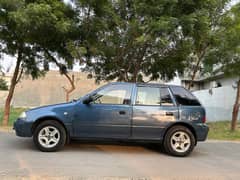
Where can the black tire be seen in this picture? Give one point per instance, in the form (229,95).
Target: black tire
(167,141)
(50,123)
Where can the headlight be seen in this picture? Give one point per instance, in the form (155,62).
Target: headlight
(23,115)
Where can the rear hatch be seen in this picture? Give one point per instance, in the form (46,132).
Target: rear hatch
(190,109)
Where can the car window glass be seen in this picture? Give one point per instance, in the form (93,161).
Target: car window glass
(148,96)
(113,94)
(184,97)
(166,99)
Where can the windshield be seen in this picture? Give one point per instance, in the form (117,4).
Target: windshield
(92,92)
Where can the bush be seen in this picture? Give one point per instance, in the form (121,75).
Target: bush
(3,84)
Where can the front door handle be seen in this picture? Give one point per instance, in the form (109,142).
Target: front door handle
(169,113)
(122,112)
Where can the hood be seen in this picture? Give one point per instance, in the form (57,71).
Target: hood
(53,106)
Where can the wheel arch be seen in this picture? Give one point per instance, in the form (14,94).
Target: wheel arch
(187,125)
(46,118)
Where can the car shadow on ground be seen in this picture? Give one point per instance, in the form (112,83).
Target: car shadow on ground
(125,148)
(23,144)
(90,146)
(113,146)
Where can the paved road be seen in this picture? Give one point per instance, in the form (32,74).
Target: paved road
(210,160)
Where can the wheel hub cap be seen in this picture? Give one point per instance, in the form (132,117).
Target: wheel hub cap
(180,141)
(49,136)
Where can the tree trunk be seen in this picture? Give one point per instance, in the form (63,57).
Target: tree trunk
(11,90)
(200,56)
(194,73)
(71,80)
(236,108)
(72,88)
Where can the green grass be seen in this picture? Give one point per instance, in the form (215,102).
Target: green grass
(15,112)
(221,131)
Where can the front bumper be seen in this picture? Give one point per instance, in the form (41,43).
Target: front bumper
(201,131)
(23,128)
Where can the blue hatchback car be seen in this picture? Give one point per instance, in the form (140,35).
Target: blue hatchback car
(168,115)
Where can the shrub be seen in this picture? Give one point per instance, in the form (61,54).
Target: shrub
(3,84)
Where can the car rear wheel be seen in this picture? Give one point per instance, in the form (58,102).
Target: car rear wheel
(49,136)
(179,141)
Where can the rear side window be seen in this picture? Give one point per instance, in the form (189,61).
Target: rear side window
(166,99)
(184,97)
(148,96)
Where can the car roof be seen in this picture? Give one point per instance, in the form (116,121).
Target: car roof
(147,84)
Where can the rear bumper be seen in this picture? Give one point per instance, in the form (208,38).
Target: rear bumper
(201,131)
(23,128)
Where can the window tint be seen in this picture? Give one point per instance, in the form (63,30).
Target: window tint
(148,96)
(166,99)
(184,97)
(113,94)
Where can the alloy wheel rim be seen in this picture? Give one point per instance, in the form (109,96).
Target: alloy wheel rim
(49,136)
(180,141)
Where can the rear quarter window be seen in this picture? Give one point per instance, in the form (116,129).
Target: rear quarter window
(184,97)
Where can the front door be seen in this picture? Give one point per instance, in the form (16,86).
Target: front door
(108,116)
(152,111)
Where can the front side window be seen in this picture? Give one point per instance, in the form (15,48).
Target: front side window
(148,96)
(184,97)
(113,94)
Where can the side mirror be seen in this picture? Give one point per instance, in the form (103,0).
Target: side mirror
(87,100)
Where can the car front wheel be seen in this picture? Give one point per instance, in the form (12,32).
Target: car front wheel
(179,141)
(49,136)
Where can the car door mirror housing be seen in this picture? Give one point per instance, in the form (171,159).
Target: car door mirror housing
(88,100)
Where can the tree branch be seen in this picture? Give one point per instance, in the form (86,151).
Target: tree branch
(19,76)
(70,79)
(200,56)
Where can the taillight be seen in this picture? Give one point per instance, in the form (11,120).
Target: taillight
(204,119)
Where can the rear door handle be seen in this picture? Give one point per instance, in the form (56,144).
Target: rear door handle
(122,112)
(169,113)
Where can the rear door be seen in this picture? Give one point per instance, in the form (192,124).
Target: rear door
(153,109)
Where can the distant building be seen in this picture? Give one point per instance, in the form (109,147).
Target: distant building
(210,82)
(216,93)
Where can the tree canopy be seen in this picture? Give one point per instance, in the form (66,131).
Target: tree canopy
(200,29)
(35,32)
(128,40)
(225,55)
(133,39)
(38,27)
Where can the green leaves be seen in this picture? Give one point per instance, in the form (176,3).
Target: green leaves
(141,40)
(225,55)
(121,40)
(34,27)
(3,84)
